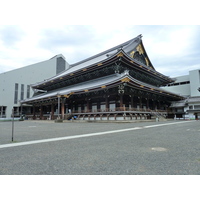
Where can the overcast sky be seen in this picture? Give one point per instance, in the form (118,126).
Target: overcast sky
(173,50)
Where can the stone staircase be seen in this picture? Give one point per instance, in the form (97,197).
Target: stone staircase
(158,116)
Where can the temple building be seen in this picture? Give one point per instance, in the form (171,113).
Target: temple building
(118,84)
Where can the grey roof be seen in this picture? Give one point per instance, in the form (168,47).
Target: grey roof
(126,46)
(177,104)
(92,84)
(193,100)
(103,56)
(78,87)
(186,101)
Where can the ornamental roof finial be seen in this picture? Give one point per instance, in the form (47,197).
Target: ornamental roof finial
(140,36)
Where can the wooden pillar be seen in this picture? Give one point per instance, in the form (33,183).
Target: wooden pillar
(154,104)
(147,103)
(88,105)
(158,104)
(41,112)
(52,111)
(98,106)
(33,111)
(62,109)
(66,108)
(58,107)
(132,105)
(140,102)
(107,104)
(121,102)
(134,102)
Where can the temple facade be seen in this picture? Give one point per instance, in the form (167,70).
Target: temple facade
(118,84)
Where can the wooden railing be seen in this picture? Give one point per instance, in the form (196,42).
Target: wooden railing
(97,111)
(118,109)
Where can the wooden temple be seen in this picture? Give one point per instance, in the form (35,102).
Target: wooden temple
(117,84)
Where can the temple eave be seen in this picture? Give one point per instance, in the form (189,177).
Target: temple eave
(120,57)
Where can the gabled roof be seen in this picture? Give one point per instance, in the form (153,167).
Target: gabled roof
(128,48)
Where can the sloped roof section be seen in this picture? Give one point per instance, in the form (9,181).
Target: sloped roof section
(105,54)
(75,88)
(127,47)
(135,49)
(99,84)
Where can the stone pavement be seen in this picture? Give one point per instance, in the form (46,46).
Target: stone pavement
(139,148)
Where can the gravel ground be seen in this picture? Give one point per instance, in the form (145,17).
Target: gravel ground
(159,150)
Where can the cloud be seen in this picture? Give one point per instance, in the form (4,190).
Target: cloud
(10,35)
(66,36)
(173,50)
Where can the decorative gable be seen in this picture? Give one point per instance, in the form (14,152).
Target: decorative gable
(140,55)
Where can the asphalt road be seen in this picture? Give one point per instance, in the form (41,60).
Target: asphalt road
(150,148)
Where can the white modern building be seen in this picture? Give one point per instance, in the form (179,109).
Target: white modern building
(15,84)
(187,86)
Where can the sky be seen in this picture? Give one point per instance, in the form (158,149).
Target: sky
(174,50)
(42,29)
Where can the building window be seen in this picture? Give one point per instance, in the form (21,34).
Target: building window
(179,83)
(28,91)
(103,107)
(2,111)
(197,107)
(180,110)
(22,91)
(112,106)
(190,107)
(94,107)
(16,94)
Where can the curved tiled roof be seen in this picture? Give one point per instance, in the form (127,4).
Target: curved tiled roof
(99,84)
(103,56)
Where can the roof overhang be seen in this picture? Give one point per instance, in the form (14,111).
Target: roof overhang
(100,84)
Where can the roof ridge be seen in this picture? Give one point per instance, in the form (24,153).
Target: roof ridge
(106,51)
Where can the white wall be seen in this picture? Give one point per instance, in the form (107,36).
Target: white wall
(183,90)
(187,89)
(25,75)
(194,82)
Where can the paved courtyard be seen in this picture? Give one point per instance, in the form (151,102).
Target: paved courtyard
(151,148)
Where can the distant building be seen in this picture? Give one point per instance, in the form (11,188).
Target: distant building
(187,86)
(15,84)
